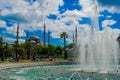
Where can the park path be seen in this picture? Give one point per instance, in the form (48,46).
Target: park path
(10,65)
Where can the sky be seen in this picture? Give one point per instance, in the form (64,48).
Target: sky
(58,15)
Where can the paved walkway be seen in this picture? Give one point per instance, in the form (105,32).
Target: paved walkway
(19,65)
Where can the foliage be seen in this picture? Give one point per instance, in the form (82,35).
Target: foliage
(1,49)
(16,48)
(1,42)
(51,50)
(71,45)
(44,51)
(58,50)
(64,35)
(27,50)
(38,49)
(28,47)
(65,55)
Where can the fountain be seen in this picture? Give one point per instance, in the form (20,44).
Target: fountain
(99,50)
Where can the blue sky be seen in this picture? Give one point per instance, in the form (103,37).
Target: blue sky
(58,15)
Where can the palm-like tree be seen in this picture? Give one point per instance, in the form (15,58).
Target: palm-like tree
(64,35)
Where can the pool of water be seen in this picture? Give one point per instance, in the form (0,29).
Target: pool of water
(60,72)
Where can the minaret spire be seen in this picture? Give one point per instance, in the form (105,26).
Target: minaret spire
(96,16)
(27,33)
(48,37)
(17,36)
(73,38)
(44,35)
(76,34)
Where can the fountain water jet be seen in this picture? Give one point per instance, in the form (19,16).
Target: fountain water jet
(99,51)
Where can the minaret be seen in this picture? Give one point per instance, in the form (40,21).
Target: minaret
(27,35)
(73,38)
(48,37)
(96,23)
(17,36)
(17,41)
(76,34)
(44,35)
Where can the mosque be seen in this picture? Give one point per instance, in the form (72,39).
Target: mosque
(35,40)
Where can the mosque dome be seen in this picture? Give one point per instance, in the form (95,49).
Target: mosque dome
(35,37)
(35,40)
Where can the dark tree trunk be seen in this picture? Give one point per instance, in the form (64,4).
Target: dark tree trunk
(28,54)
(2,55)
(16,55)
(64,42)
(6,54)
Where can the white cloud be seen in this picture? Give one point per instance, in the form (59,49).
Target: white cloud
(108,23)
(111,9)
(13,3)
(88,7)
(35,15)
(50,6)
(2,24)
(12,40)
(13,30)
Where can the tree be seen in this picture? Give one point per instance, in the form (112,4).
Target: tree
(1,49)
(16,48)
(22,51)
(28,48)
(64,35)
(51,50)
(6,50)
(10,52)
(65,55)
(71,45)
(44,51)
(38,49)
(58,50)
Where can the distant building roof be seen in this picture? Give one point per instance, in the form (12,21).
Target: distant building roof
(36,37)
(35,40)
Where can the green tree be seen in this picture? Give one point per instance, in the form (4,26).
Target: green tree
(65,55)
(28,48)
(16,49)
(1,49)
(64,35)
(6,50)
(71,45)
(10,52)
(44,51)
(38,49)
(22,51)
(51,50)
(58,50)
